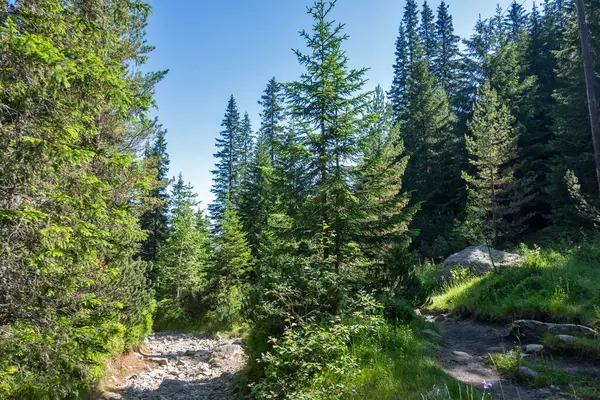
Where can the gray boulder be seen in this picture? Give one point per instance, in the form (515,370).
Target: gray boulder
(477,260)
(527,373)
(531,329)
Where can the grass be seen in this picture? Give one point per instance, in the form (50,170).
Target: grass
(549,372)
(588,349)
(550,286)
(403,366)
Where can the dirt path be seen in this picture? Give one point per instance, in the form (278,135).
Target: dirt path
(467,343)
(175,366)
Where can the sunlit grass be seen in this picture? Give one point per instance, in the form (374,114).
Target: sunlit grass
(550,286)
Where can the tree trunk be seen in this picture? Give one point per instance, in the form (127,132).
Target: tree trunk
(590,80)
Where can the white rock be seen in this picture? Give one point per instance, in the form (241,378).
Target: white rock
(477,260)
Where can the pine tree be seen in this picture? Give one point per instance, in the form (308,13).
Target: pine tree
(493,198)
(328,99)
(184,258)
(226,176)
(154,220)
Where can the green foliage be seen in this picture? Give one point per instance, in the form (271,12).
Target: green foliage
(185,256)
(493,195)
(229,275)
(550,286)
(74,116)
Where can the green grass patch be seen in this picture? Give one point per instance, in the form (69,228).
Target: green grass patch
(580,347)
(401,365)
(550,373)
(550,286)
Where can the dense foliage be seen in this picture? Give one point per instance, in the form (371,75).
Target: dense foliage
(73,124)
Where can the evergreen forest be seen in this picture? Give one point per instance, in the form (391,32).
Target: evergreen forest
(331,220)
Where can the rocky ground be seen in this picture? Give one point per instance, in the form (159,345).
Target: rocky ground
(467,343)
(176,366)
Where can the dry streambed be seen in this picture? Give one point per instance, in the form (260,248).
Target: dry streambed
(177,366)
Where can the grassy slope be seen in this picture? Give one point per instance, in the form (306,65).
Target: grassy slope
(549,287)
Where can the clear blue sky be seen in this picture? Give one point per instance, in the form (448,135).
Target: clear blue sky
(215,48)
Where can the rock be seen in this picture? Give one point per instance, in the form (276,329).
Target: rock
(477,260)
(531,329)
(461,355)
(160,361)
(527,373)
(534,348)
(431,334)
(565,338)
(237,341)
(229,350)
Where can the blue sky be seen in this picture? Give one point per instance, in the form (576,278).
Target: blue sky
(215,48)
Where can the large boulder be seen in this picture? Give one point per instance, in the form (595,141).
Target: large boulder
(477,260)
(528,329)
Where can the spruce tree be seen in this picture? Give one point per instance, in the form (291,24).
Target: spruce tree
(328,99)
(571,142)
(382,223)
(433,170)
(447,53)
(398,89)
(493,198)
(226,176)
(427,33)
(516,20)
(410,21)
(184,258)
(272,117)
(154,220)
(229,277)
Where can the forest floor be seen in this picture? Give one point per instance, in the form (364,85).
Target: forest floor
(176,366)
(469,343)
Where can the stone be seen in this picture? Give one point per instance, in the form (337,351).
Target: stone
(477,260)
(565,338)
(237,341)
(531,329)
(461,355)
(527,373)
(431,333)
(160,360)
(534,348)
(229,350)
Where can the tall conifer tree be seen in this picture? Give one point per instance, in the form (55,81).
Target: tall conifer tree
(226,176)
(328,98)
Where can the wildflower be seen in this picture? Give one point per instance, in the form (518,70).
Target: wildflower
(487,385)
